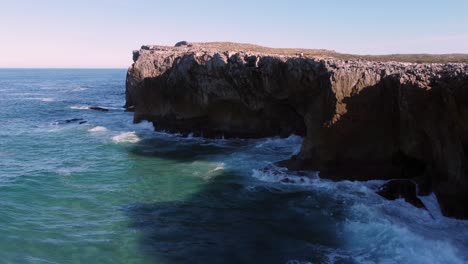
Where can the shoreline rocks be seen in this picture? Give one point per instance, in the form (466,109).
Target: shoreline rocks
(360,119)
(405,189)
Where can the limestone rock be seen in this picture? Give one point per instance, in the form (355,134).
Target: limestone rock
(360,119)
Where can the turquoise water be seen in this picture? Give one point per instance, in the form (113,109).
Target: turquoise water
(109,191)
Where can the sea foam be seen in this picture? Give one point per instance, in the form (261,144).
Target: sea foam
(88,107)
(42,99)
(79,107)
(377,230)
(79,88)
(368,235)
(97,129)
(274,174)
(126,137)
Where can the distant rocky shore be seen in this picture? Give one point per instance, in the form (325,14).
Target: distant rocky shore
(361,119)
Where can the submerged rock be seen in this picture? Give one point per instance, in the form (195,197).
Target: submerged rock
(72,120)
(360,119)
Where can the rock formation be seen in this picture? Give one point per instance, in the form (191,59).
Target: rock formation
(405,189)
(360,119)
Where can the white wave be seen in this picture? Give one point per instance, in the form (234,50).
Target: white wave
(67,171)
(97,129)
(64,172)
(219,167)
(369,235)
(79,88)
(88,107)
(126,137)
(376,230)
(206,170)
(42,99)
(79,107)
(275,174)
(23,94)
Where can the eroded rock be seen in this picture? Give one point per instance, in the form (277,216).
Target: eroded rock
(401,189)
(360,119)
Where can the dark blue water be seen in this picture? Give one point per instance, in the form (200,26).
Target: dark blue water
(109,191)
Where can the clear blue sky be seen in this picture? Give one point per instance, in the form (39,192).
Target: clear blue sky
(103,33)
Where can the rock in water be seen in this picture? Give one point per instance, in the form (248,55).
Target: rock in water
(406,189)
(98,108)
(69,121)
(360,119)
(73,120)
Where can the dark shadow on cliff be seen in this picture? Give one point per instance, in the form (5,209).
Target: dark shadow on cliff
(227,222)
(369,140)
(406,131)
(398,131)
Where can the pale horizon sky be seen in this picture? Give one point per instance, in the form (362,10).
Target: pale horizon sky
(103,33)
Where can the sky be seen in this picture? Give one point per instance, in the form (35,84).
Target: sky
(103,33)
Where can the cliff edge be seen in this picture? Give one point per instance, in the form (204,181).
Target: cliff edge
(361,119)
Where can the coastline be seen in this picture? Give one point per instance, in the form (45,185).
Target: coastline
(361,119)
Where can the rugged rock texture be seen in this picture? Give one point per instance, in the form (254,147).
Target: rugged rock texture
(360,119)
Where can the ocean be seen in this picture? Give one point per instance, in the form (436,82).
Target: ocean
(85,186)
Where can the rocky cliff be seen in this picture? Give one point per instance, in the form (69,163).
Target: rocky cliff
(360,119)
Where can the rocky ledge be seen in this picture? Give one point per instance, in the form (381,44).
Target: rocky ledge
(360,119)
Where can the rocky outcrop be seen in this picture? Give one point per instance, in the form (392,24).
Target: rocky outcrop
(401,189)
(98,108)
(360,119)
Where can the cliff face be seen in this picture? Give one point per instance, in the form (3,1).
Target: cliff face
(360,119)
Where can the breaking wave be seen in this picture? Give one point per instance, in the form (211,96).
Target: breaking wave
(373,229)
(126,137)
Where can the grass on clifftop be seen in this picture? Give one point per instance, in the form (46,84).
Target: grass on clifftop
(323,53)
